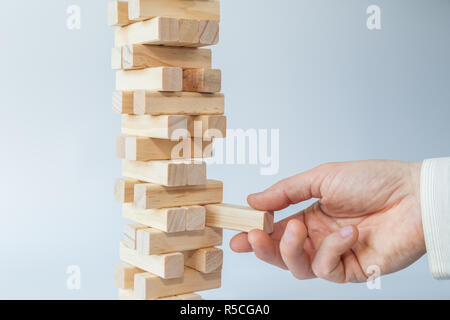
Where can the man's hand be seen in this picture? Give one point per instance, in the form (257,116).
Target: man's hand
(368,214)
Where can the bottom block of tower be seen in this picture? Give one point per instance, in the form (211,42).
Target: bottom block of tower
(129,295)
(167,266)
(148,286)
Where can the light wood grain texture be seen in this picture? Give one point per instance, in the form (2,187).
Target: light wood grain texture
(129,295)
(123,102)
(152,196)
(152,241)
(208,127)
(124,276)
(166,266)
(195,218)
(209,32)
(162,127)
(157,31)
(124,190)
(188,103)
(158,79)
(190,9)
(118,13)
(130,234)
(170,32)
(171,173)
(167,220)
(147,149)
(148,286)
(137,56)
(238,218)
(205,260)
(202,80)
(116,59)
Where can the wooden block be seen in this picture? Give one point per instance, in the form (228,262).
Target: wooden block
(169,32)
(129,295)
(118,13)
(130,234)
(238,218)
(157,31)
(138,56)
(124,276)
(168,219)
(148,149)
(159,79)
(202,80)
(123,102)
(124,190)
(189,103)
(195,172)
(148,286)
(209,32)
(152,196)
(190,9)
(189,31)
(167,266)
(116,59)
(171,173)
(205,260)
(208,127)
(195,218)
(152,241)
(162,127)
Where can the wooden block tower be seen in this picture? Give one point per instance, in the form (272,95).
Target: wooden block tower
(167,94)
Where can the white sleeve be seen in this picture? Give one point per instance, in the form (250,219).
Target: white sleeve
(435,203)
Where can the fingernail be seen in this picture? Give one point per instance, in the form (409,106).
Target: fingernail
(346,232)
(288,235)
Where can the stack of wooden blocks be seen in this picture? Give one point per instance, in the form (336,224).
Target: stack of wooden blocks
(168,96)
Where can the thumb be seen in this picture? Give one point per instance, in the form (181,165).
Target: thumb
(301,187)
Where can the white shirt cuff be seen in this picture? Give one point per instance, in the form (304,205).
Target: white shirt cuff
(435,203)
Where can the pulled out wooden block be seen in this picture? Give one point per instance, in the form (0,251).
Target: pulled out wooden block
(163,127)
(129,295)
(167,220)
(152,241)
(182,103)
(190,9)
(202,80)
(116,59)
(158,79)
(148,149)
(124,276)
(166,266)
(169,32)
(138,56)
(208,127)
(148,286)
(124,190)
(123,102)
(152,196)
(171,173)
(118,13)
(157,31)
(195,218)
(238,218)
(205,260)
(130,234)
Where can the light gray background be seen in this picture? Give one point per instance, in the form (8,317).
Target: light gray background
(335,89)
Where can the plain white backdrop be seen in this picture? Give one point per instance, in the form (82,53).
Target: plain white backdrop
(312,69)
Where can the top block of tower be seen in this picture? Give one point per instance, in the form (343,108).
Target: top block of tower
(184,9)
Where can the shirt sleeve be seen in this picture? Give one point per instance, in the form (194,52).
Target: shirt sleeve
(435,204)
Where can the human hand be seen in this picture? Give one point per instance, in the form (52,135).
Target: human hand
(368,215)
